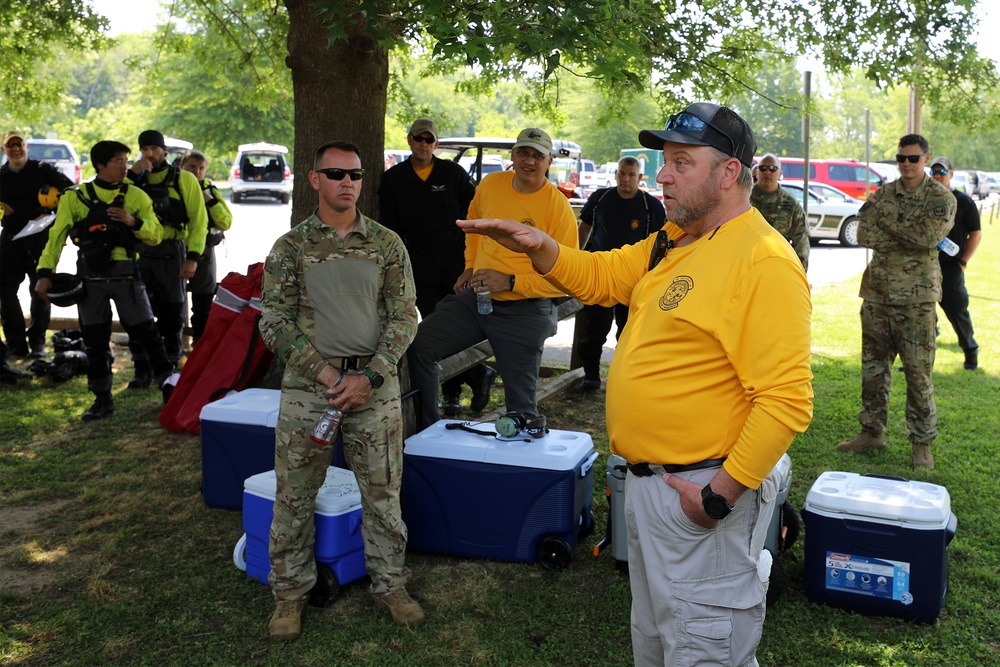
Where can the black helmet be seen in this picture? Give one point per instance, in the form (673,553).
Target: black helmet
(66,290)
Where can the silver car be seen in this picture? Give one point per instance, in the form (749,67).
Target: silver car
(261,170)
(829,217)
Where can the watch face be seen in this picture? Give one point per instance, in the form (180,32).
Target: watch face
(374,377)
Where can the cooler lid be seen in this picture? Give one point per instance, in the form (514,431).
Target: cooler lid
(254,407)
(880,498)
(338,494)
(558,450)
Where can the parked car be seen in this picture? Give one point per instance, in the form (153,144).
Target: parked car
(474,151)
(490,164)
(960,182)
(828,218)
(888,171)
(261,170)
(827,192)
(849,176)
(177,149)
(56,152)
(606,175)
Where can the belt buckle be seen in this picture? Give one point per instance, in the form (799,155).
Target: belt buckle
(349,364)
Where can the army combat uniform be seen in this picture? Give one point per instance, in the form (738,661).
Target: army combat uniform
(900,288)
(786,216)
(347,303)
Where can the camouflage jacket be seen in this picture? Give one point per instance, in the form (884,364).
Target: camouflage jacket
(786,216)
(324,297)
(903,229)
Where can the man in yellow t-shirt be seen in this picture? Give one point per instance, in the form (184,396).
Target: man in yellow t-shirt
(523,313)
(709,384)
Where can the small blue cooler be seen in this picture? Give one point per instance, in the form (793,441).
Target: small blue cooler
(878,545)
(237,441)
(338,525)
(512,499)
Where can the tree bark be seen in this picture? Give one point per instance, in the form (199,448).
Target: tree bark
(340,95)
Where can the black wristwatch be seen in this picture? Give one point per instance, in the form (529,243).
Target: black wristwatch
(716,506)
(373,376)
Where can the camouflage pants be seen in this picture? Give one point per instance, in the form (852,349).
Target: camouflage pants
(373,447)
(907,331)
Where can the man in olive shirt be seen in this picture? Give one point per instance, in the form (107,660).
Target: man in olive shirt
(902,222)
(779,208)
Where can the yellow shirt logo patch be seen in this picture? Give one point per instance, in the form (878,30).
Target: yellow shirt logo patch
(676,292)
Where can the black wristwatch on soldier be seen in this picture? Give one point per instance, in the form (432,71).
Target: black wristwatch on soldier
(716,506)
(373,376)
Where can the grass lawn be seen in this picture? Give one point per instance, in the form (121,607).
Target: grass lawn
(108,555)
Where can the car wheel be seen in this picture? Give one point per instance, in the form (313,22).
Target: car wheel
(285,198)
(235,197)
(849,232)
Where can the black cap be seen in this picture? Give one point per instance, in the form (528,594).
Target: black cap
(705,124)
(152,138)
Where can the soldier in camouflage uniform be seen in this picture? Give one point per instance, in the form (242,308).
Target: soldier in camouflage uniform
(780,208)
(902,223)
(339,308)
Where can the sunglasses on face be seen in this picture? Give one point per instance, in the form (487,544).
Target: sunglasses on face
(426,140)
(939,172)
(768,167)
(912,159)
(13,144)
(335,174)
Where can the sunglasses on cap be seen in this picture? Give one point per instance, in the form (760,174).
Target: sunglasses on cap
(768,167)
(335,174)
(940,171)
(426,140)
(912,159)
(695,127)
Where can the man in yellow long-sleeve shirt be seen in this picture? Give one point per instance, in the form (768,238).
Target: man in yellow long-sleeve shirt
(524,314)
(708,387)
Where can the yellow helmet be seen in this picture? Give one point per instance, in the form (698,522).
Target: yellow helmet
(48,196)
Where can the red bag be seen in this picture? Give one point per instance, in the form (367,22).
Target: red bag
(229,356)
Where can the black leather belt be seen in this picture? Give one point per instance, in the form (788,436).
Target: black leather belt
(514,302)
(650,469)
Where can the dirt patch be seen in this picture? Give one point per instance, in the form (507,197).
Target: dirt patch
(26,565)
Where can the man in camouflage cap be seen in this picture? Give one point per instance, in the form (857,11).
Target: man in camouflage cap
(779,208)
(338,306)
(902,223)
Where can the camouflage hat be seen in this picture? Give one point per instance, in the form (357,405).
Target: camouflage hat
(422,125)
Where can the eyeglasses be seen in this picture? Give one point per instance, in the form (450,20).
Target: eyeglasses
(939,172)
(12,144)
(335,174)
(693,126)
(426,140)
(523,154)
(769,167)
(912,159)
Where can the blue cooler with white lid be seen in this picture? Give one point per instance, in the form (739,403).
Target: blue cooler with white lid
(517,499)
(878,545)
(237,441)
(339,544)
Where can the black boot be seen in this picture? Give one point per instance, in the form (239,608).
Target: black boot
(481,389)
(971,360)
(451,406)
(104,406)
(143,375)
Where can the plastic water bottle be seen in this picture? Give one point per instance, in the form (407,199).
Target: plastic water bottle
(484,303)
(948,247)
(326,427)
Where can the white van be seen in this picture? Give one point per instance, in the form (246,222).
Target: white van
(261,170)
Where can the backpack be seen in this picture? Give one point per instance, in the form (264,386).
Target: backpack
(169,211)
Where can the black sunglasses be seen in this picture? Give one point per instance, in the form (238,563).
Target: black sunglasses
(768,167)
(426,140)
(335,174)
(913,159)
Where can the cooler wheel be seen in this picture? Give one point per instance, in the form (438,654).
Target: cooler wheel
(777,582)
(553,553)
(791,526)
(240,553)
(327,587)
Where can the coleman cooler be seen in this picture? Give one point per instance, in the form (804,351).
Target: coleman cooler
(237,441)
(339,548)
(878,545)
(518,499)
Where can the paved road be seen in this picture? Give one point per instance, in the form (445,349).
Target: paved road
(257,224)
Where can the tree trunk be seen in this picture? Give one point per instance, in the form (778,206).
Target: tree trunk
(340,95)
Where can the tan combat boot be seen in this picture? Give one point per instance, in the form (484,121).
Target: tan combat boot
(862,443)
(403,608)
(922,457)
(286,623)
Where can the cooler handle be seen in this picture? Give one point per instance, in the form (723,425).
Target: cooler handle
(949,532)
(354,523)
(588,465)
(890,477)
